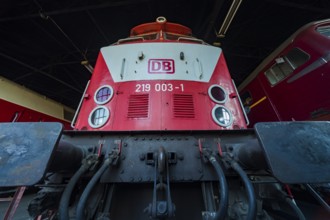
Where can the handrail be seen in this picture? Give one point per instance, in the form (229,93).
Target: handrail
(240,102)
(16,116)
(79,106)
(191,39)
(129,39)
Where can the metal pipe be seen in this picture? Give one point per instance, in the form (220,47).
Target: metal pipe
(73,122)
(252,212)
(296,209)
(83,199)
(318,197)
(222,211)
(229,18)
(65,198)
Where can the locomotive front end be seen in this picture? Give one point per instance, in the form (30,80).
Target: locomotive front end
(160,78)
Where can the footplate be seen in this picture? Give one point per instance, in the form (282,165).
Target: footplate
(297,152)
(25,151)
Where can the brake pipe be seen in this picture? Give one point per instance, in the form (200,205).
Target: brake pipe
(66,195)
(83,199)
(252,212)
(223,191)
(63,209)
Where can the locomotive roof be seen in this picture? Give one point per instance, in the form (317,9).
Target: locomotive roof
(160,25)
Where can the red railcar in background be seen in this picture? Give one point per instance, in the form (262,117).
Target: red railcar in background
(19,104)
(292,83)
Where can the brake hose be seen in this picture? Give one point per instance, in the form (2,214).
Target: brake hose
(252,212)
(222,211)
(88,189)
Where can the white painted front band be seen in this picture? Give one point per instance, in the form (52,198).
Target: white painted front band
(129,62)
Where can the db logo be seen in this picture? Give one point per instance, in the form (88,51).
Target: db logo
(161,66)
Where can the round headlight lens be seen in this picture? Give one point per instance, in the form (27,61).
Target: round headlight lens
(217,94)
(103,95)
(222,116)
(98,117)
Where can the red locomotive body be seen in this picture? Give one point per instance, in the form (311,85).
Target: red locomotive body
(293,82)
(160,78)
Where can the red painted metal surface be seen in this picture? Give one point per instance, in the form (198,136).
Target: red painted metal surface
(294,98)
(160,104)
(156,27)
(12,112)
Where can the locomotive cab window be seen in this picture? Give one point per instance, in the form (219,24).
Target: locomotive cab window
(325,31)
(285,65)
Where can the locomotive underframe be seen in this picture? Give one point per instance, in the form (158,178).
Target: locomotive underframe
(168,174)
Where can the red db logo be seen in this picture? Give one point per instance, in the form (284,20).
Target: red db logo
(161,66)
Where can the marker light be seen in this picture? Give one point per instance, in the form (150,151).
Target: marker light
(217,94)
(98,117)
(222,116)
(103,94)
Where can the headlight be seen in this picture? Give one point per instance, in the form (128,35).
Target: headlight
(103,95)
(98,117)
(222,116)
(217,94)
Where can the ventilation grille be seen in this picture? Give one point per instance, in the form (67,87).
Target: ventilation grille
(183,106)
(138,106)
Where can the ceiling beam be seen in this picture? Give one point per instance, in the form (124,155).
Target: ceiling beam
(40,71)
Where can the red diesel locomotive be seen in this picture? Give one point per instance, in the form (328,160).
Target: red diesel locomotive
(160,78)
(160,134)
(292,83)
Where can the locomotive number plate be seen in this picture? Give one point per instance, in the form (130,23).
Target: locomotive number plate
(159,87)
